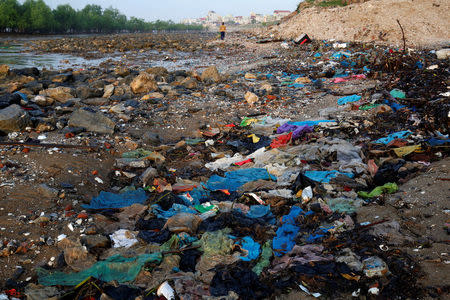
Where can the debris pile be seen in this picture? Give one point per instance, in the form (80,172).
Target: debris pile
(210,186)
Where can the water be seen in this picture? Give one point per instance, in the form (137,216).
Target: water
(15,56)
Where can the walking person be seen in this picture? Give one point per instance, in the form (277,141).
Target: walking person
(222,30)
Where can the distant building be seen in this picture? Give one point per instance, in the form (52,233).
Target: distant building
(213,19)
(280,14)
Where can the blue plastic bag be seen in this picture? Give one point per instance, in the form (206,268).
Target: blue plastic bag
(393,136)
(325,176)
(111,200)
(348,99)
(235,179)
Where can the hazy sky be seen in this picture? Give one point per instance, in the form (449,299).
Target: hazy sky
(176,10)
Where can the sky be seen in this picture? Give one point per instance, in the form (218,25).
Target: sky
(176,10)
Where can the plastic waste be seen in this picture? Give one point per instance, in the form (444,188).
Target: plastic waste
(374,267)
(398,94)
(388,188)
(166,291)
(123,238)
(235,179)
(307,194)
(115,267)
(183,222)
(250,247)
(297,131)
(325,176)
(111,200)
(264,260)
(281,141)
(393,136)
(283,242)
(348,99)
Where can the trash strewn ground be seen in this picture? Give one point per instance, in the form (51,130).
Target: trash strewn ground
(313,170)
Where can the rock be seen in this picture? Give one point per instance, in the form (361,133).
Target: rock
(148,175)
(267,87)
(190,83)
(47,192)
(143,83)
(151,138)
(60,94)
(122,71)
(303,80)
(211,74)
(14,118)
(96,122)
(85,92)
(441,54)
(9,99)
(250,76)
(96,101)
(251,98)
(154,95)
(43,101)
(132,163)
(157,71)
(26,71)
(95,241)
(4,71)
(64,77)
(118,108)
(108,91)
(382,109)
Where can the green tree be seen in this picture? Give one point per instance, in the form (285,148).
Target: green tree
(9,14)
(66,18)
(91,18)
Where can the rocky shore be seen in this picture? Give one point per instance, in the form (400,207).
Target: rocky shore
(259,171)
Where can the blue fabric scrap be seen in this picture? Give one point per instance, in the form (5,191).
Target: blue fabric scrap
(310,123)
(348,99)
(261,212)
(437,142)
(252,248)
(325,176)
(111,200)
(235,179)
(284,240)
(174,210)
(393,136)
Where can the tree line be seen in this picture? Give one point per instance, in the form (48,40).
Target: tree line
(34,16)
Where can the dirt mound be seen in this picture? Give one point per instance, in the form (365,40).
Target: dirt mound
(425,22)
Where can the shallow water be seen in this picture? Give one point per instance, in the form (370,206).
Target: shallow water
(15,56)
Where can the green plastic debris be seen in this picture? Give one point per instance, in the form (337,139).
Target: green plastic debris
(368,106)
(193,141)
(343,205)
(264,260)
(388,188)
(248,121)
(116,267)
(216,243)
(138,153)
(171,244)
(202,208)
(398,94)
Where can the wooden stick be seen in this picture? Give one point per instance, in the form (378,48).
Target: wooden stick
(403,36)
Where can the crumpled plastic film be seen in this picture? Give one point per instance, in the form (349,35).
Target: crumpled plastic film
(115,267)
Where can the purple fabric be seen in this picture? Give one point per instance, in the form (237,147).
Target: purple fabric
(297,131)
